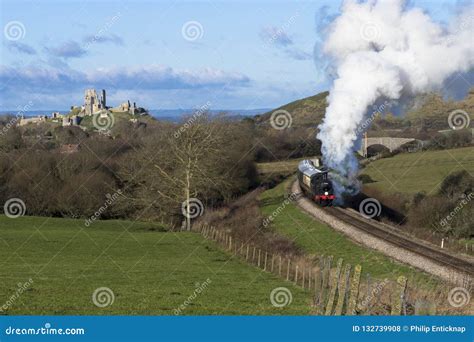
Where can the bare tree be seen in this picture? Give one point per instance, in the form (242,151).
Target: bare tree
(184,166)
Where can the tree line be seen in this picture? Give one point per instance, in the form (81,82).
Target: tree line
(70,172)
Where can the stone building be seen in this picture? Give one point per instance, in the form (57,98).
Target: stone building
(37,120)
(92,102)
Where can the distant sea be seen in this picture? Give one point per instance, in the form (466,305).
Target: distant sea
(173,115)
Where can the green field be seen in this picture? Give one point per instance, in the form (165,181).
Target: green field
(150,271)
(421,171)
(284,167)
(318,239)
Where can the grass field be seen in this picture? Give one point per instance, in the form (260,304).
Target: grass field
(318,239)
(284,167)
(421,171)
(150,271)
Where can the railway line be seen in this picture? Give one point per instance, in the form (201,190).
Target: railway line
(391,241)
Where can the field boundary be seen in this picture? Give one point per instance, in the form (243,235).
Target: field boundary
(336,288)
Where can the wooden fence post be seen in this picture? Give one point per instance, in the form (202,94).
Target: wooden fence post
(273,255)
(399,298)
(333,287)
(342,287)
(279,268)
(230,244)
(259,252)
(326,273)
(368,295)
(304,271)
(317,282)
(425,308)
(309,278)
(253,255)
(247,254)
(288,270)
(296,274)
(354,294)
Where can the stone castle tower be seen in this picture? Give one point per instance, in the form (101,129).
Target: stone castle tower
(92,103)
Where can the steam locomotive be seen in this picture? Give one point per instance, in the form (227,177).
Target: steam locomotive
(315,183)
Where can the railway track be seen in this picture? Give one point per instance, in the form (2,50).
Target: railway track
(463,266)
(394,237)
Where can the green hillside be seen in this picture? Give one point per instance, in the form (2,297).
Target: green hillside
(305,112)
(434,111)
(430,111)
(421,171)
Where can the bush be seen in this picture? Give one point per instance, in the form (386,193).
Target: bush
(450,211)
(365,179)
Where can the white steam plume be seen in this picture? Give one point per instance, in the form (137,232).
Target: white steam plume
(383,51)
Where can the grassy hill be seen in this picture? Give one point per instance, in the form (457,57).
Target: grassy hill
(151,271)
(421,171)
(434,111)
(305,112)
(430,112)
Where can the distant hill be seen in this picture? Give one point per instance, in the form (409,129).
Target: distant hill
(430,112)
(305,112)
(433,111)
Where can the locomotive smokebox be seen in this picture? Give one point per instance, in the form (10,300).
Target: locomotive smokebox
(314,182)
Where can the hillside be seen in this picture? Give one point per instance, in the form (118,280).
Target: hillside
(434,111)
(305,112)
(429,112)
(415,172)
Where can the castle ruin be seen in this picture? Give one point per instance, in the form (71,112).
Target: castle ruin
(92,102)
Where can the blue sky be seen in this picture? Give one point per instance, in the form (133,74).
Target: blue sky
(166,54)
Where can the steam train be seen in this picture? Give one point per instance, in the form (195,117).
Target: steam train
(315,183)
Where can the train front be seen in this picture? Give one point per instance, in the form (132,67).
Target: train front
(315,183)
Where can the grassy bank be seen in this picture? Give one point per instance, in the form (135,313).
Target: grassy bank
(318,239)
